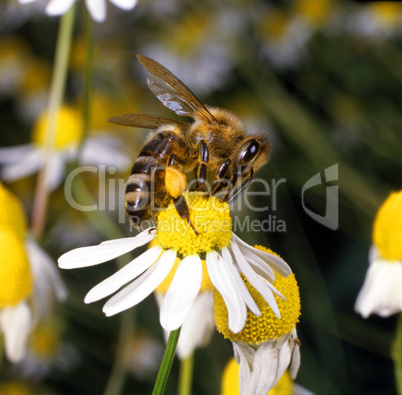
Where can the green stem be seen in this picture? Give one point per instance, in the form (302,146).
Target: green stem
(88,80)
(55,99)
(109,229)
(398,355)
(186,375)
(117,377)
(166,363)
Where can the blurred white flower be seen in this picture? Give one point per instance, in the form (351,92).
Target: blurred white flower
(97,8)
(29,282)
(376,20)
(382,289)
(21,161)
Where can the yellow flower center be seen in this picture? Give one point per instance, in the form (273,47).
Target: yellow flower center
(187,34)
(206,284)
(45,340)
(387,228)
(12,214)
(15,272)
(260,329)
(14,388)
(68,128)
(388,13)
(209,216)
(273,25)
(36,76)
(315,11)
(230,381)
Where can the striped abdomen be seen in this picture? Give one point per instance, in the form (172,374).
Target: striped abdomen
(145,187)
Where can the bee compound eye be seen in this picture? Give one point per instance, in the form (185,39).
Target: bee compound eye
(250,152)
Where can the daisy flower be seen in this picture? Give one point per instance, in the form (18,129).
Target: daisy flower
(16,284)
(284,386)
(382,288)
(97,8)
(29,282)
(225,254)
(189,44)
(45,350)
(378,20)
(283,37)
(24,160)
(195,333)
(267,345)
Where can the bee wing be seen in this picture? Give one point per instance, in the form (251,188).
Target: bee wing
(145,121)
(173,93)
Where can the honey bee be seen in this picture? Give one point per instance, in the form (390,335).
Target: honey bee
(215,140)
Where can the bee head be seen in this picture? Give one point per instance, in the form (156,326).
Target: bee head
(253,153)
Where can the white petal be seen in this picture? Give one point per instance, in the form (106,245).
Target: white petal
(256,281)
(382,289)
(58,7)
(220,277)
(140,288)
(15,154)
(264,372)
(47,277)
(374,255)
(26,1)
(196,332)
(245,294)
(295,364)
(182,291)
(258,265)
(124,275)
(125,4)
(276,263)
(16,325)
(28,164)
(286,346)
(97,9)
(106,151)
(105,251)
(244,356)
(54,171)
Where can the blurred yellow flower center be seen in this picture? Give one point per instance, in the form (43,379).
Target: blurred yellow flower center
(206,284)
(387,12)
(68,128)
(12,214)
(187,34)
(209,216)
(15,272)
(230,381)
(14,388)
(45,340)
(387,228)
(36,76)
(260,329)
(273,25)
(315,11)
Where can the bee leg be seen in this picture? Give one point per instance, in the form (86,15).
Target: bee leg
(220,181)
(240,189)
(202,168)
(182,209)
(175,179)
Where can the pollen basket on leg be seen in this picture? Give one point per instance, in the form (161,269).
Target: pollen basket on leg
(209,216)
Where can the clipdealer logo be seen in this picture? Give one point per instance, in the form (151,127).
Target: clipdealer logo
(111,197)
(331,217)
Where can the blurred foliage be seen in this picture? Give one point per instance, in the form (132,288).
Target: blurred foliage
(324,77)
